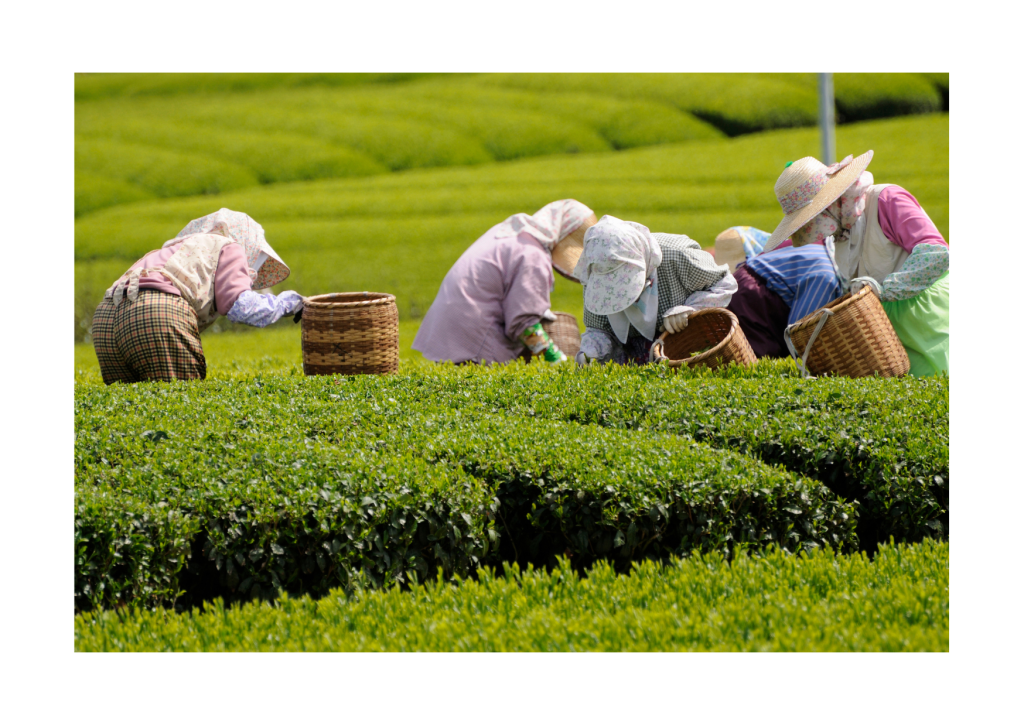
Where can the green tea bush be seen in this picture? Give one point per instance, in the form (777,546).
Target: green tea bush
(504,132)
(305,484)
(397,141)
(817,601)
(882,442)
(91,86)
(624,123)
(276,157)
(160,172)
(941,83)
(509,133)
(94,192)
(734,103)
(861,96)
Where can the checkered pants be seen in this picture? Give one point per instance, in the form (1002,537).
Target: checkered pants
(155,338)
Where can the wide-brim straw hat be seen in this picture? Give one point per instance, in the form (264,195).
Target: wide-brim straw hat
(729,249)
(807,187)
(569,249)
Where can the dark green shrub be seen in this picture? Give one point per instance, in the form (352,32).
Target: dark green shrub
(861,96)
(882,442)
(302,485)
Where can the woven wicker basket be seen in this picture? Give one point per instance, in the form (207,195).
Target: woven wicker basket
(714,327)
(564,332)
(350,332)
(855,339)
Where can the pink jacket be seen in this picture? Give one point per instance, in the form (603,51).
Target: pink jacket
(232,277)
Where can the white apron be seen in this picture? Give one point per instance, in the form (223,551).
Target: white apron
(191,269)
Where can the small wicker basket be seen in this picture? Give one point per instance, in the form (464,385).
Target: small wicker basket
(350,333)
(564,332)
(714,328)
(854,338)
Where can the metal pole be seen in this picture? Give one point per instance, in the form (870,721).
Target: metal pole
(827,118)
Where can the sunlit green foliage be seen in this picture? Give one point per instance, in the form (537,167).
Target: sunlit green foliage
(220,486)
(89,86)
(94,192)
(897,601)
(271,158)
(160,172)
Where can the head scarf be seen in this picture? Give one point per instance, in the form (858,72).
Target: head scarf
(266,268)
(618,260)
(838,218)
(549,225)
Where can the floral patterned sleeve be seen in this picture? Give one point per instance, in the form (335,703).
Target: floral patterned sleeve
(262,310)
(926,264)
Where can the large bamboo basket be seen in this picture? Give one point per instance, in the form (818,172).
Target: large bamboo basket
(855,339)
(564,332)
(350,333)
(716,328)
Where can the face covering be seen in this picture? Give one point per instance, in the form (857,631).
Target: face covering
(818,229)
(643,314)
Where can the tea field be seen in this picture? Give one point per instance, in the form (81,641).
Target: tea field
(261,482)
(897,601)
(401,232)
(514,508)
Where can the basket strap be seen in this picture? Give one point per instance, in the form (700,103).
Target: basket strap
(657,354)
(801,363)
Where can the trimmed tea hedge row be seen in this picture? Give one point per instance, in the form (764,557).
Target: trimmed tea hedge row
(304,126)
(303,484)
(883,442)
(862,96)
(897,601)
(735,103)
(158,171)
(92,86)
(278,157)
(623,123)
(94,192)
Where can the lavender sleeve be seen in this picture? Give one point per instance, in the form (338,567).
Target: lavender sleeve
(528,284)
(904,222)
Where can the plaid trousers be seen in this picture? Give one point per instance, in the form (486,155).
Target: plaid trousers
(154,338)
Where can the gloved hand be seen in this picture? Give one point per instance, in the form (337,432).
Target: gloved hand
(859,283)
(675,323)
(581,359)
(549,316)
(297,309)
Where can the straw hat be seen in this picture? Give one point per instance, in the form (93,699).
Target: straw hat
(729,249)
(567,252)
(807,186)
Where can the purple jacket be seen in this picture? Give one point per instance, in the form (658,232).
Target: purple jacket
(491,294)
